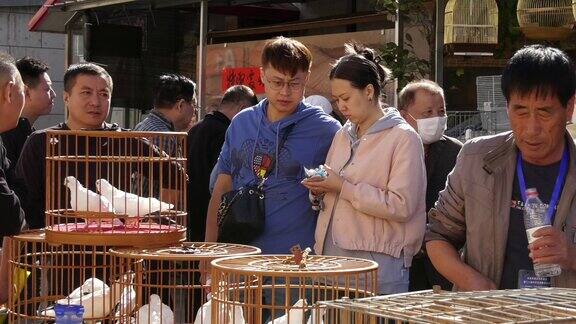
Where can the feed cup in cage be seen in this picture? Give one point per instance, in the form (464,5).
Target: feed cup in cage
(42,275)
(169,281)
(499,306)
(280,289)
(119,187)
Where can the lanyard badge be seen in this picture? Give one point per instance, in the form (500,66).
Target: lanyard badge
(558,186)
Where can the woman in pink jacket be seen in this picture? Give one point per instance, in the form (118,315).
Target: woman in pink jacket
(374,194)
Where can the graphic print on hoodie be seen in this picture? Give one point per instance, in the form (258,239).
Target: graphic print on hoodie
(290,219)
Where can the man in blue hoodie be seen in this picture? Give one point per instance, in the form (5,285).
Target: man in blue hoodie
(254,140)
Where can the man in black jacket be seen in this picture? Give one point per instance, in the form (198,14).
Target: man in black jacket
(11,104)
(87,96)
(205,141)
(421,103)
(39,101)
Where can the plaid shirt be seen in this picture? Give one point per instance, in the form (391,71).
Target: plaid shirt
(156,122)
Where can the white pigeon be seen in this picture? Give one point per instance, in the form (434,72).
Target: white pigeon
(94,295)
(155,312)
(127,302)
(82,199)
(204,314)
(295,314)
(314,314)
(89,286)
(129,204)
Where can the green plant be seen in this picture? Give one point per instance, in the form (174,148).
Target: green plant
(403,63)
(400,58)
(407,8)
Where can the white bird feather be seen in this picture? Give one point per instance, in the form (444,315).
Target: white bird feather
(155,312)
(317,317)
(294,316)
(85,200)
(204,314)
(128,203)
(94,295)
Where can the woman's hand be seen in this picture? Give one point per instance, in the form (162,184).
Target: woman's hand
(332,183)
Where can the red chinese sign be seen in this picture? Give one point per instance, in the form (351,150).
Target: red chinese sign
(248,76)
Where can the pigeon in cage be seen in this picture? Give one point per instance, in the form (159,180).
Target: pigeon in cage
(127,302)
(204,315)
(155,312)
(316,316)
(295,314)
(85,200)
(129,204)
(94,295)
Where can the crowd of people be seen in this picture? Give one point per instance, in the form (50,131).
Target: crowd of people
(428,209)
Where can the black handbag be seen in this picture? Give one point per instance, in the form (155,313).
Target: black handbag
(241,215)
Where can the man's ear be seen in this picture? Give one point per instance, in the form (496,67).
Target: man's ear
(65,97)
(27,92)
(262,75)
(570,109)
(9,91)
(180,105)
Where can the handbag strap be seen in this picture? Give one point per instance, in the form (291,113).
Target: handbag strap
(287,130)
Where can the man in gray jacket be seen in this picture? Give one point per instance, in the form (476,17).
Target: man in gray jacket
(482,203)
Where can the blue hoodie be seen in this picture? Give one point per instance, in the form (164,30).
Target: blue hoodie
(290,219)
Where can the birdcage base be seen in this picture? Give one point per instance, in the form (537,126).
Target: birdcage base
(546,33)
(139,235)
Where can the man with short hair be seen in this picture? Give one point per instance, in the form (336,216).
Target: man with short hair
(422,105)
(481,208)
(205,141)
(11,104)
(174,105)
(39,101)
(87,95)
(254,149)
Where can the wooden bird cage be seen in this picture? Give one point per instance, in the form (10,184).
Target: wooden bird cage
(545,19)
(173,274)
(499,306)
(42,275)
(471,24)
(277,289)
(115,188)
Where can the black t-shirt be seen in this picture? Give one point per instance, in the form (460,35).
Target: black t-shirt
(543,178)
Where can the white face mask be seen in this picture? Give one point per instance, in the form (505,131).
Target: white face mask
(431,129)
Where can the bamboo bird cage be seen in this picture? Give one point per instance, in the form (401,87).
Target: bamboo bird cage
(545,19)
(499,306)
(174,274)
(42,275)
(115,188)
(281,289)
(471,23)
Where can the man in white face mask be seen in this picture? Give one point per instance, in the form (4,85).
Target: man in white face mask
(421,103)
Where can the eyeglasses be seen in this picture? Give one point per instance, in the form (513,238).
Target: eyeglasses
(278,85)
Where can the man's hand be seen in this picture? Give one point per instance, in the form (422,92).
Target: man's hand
(475,281)
(552,247)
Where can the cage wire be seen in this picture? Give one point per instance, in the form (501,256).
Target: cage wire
(169,280)
(280,289)
(545,19)
(118,187)
(42,275)
(499,306)
(471,22)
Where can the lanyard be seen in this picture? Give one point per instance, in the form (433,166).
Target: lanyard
(551,212)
